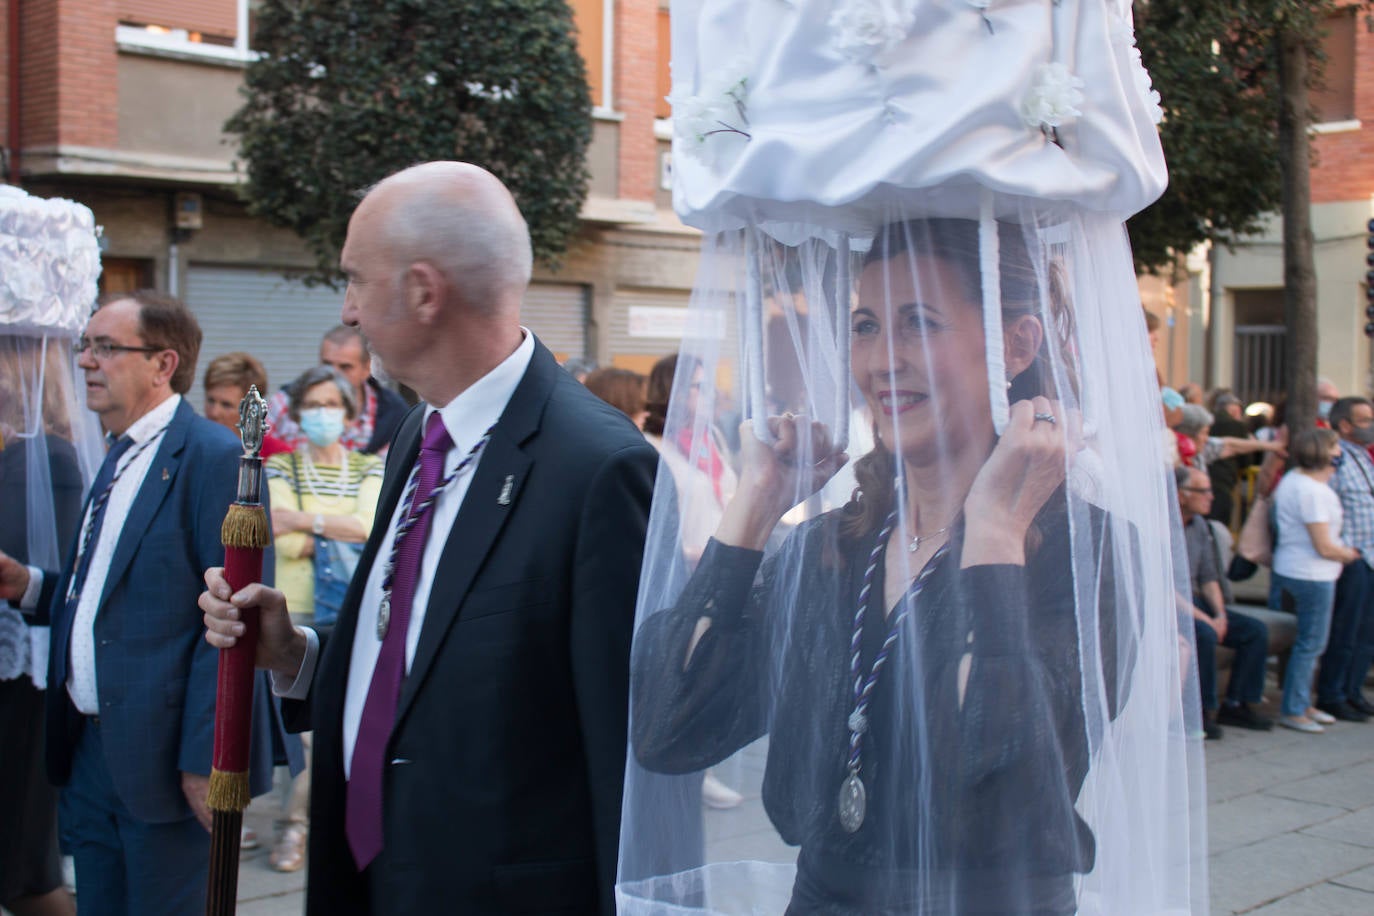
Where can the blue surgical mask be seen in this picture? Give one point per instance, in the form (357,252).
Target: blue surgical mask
(322,425)
(1336,459)
(1324,408)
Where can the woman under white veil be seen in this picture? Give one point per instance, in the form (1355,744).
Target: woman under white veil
(50,446)
(959,690)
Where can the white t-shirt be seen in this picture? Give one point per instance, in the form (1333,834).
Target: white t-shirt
(1299,501)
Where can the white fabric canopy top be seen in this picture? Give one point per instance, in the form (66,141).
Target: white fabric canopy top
(929,633)
(779,106)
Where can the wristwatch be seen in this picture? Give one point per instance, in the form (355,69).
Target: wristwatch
(318,526)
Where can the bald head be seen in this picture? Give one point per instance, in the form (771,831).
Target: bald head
(438,260)
(461,219)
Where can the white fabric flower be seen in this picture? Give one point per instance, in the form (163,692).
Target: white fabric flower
(711,125)
(1145,86)
(1123,37)
(865,30)
(1054,97)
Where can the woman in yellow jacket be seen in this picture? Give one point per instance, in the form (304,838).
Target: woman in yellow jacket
(324,497)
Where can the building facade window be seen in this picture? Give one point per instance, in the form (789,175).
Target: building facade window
(665,75)
(216,30)
(213,21)
(1334,100)
(595,21)
(1260,344)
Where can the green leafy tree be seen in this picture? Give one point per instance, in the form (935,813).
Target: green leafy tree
(1214,64)
(1235,76)
(349,91)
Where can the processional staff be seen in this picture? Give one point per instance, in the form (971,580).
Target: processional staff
(245,534)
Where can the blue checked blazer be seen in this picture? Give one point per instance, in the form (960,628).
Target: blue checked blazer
(155,673)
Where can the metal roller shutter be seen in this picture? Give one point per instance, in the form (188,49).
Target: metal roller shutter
(259,311)
(557,314)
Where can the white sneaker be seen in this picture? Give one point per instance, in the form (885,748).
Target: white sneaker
(716,794)
(1321,718)
(1301,724)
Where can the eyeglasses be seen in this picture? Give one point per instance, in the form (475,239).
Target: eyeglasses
(1196,489)
(102,349)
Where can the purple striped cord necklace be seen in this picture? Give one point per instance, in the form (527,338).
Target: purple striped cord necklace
(853,794)
(410,516)
(88,529)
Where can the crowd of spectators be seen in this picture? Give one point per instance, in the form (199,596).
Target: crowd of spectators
(1316,490)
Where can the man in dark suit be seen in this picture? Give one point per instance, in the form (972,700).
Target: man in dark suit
(470,705)
(131,698)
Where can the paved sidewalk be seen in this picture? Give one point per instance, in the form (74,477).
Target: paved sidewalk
(1290,823)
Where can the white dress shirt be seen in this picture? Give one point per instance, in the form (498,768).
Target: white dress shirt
(81,682)
(466,418)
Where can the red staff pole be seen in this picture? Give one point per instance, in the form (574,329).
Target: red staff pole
(246,533)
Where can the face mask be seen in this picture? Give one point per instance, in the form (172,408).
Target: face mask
(322,425)
(1324,408)
(1336,460)
(1363,434)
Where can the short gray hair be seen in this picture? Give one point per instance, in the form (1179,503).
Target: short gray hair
(317,376)
(342,334)
(1196,418)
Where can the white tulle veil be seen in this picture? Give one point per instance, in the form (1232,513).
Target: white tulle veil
(49,443)
(947,676)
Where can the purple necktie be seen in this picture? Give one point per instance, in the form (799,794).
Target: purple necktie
(363,808)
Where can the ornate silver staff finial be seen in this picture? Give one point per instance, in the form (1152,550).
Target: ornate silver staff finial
(252,425)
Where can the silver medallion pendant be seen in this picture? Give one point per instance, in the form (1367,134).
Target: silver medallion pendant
(853,802)
(384,615)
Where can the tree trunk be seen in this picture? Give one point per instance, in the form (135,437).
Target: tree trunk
(1299,272)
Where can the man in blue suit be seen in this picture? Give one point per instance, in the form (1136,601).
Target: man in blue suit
(130,718)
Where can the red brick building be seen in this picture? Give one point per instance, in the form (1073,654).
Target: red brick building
(120,104)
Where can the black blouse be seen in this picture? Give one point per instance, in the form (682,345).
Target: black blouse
(957,790)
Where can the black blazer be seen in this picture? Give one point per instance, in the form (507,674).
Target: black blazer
(391,410)
(506,763)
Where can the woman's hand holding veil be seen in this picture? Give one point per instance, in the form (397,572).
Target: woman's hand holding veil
(1029,463)
(777,475)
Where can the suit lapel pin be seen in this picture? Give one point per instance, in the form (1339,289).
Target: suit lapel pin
(506,488)
(165,475)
